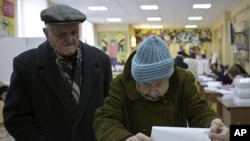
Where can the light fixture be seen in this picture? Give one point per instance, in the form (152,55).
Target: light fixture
(157,26)
(194,18)
(154,19)
(97,8)
(149,7)
(202,6)
(114,20)
(190,26)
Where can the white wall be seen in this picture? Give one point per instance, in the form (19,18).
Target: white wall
(29,22)
(11,47)
(88,33)
(30,34)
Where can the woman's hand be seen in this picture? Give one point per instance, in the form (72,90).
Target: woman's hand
(218,131)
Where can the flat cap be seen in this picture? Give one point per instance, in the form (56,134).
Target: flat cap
(62,14)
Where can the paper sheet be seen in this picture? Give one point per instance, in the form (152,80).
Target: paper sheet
(218,90)
(214,84)
(160,133)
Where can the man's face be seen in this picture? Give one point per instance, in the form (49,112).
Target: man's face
(64,38)
(153,91)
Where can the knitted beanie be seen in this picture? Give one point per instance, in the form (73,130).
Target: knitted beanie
(152,61)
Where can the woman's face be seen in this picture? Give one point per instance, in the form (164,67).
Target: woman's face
(154,90)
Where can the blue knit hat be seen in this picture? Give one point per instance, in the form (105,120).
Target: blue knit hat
(152,61)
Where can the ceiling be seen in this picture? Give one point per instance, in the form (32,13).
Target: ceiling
(174,13)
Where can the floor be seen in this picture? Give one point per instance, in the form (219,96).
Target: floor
(4,136)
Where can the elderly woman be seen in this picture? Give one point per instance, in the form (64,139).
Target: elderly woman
(153,91)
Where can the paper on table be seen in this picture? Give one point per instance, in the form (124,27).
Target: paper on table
(160,133)
(214,83)
(225,92)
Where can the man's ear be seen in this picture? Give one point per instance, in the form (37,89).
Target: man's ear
(46,33)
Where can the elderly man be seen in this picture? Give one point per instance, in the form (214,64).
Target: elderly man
(153,91)
(56,88)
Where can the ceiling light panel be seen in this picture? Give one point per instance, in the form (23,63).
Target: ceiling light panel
(153,19)
(202,6)
(97,8)
(114,20)
(190,26)
(195,18)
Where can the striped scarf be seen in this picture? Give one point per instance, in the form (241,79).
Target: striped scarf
(71,70)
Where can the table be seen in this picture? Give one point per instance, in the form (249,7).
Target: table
(211,97)
(232,114)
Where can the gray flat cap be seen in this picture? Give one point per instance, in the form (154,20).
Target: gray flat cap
(62,14)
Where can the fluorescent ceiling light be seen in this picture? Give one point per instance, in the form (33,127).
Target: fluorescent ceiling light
(98,8)
(202,6)
(149,7)
(194,18)
(190,26)
(157,26)
(114,20)
(154,19)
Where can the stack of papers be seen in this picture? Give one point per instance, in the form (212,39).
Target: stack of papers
(218,90)
(204,78)
(160,133)
(214,84)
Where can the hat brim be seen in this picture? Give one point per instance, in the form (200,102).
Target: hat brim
(64,22)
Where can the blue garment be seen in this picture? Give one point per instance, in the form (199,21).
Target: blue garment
(179,61)
(224,78)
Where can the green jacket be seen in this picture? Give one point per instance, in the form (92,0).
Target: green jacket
(126,112)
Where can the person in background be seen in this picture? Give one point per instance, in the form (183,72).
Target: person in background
(235,72)
(179,59)
(3,90)
(192,64)
(197,51)
(242,70)
(227,79)
(222,74)
(153,91)
(169,40)
(4,28)
(56,87)
(213,68)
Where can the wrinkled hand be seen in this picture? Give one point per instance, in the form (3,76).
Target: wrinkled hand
(139,137)
(218,131)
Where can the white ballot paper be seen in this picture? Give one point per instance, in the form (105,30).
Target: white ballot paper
(160,133)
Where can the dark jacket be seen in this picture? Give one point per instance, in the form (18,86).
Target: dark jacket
(38,105)
(224,78)
(179,61)
(126,112)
